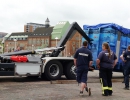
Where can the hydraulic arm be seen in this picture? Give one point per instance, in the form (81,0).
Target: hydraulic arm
(70,32)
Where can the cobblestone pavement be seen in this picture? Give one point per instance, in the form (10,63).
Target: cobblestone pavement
(43,90)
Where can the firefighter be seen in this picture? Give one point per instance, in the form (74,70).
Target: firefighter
(82,61)
(122,65)
(105,62)
(126,60)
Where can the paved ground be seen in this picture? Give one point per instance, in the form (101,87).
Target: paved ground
(24,89)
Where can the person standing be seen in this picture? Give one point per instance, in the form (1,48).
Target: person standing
(105,62)
(82,61)
(17,49)
(126,60)
(122,65)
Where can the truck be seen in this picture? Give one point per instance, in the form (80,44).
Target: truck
(50,67)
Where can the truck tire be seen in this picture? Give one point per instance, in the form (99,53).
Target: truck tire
(53,70)
(43,76)
(32,77)
(70,71)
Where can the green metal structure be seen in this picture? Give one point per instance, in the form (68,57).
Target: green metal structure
(59,29)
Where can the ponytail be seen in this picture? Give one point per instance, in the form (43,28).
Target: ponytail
(109,51)
(108,48)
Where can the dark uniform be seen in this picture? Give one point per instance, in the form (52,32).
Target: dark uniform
(106,65)
(127,68)
(122,65)
(83,56)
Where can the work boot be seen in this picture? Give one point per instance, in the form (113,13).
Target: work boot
(81,93)
(110,92)
(86,89)
(126,88)
(104,94)
(89,91)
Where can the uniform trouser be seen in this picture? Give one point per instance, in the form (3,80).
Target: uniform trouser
(123,70)
(126,73)
(105,79)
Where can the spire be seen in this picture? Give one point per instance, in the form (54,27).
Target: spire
(47,22)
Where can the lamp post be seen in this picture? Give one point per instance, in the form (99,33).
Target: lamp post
(7,47)
(56,41)
(3,44)
(15,40)
(32,46)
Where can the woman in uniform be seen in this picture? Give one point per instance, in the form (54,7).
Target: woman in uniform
(105,62)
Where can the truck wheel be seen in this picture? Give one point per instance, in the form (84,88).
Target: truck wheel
(53,70)
(70,71)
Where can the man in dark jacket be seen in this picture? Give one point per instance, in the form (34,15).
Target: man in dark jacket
(82,61)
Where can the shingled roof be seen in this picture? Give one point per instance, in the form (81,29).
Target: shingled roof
(19,34)
(42,31)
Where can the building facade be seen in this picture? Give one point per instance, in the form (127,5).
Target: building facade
(2,35)
(31,27)
(42,37)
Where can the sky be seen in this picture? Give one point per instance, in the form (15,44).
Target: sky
(16,13)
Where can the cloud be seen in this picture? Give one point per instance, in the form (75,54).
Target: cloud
(16,13)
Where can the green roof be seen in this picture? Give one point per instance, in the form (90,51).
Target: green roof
(7,35)
(59,29)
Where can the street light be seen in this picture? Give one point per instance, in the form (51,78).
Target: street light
(56,41)
(7,47)
(3,40)
(32,46)
(15,40)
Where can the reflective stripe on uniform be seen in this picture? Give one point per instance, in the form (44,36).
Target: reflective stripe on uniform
(103,88)
(83,54)
(109,88)
(102,85)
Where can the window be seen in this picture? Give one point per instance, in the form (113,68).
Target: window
(30,41)
(77,38)
(34,41)
(38,41)
(21,45)
(42,41)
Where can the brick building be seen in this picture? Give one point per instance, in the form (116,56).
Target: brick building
(42,37)
(30,27)
(72,44)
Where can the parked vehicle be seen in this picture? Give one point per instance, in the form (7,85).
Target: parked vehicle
(49,66)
